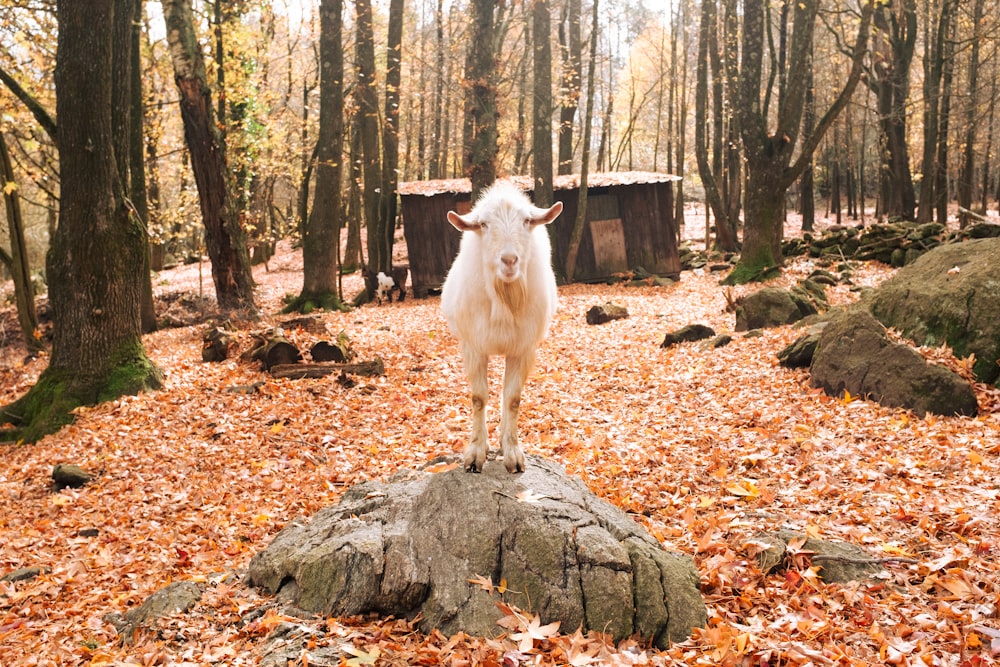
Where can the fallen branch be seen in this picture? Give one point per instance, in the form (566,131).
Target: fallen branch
(299,371)
(973,214)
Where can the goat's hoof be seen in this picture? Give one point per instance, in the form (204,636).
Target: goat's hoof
(472,468)
(514,464)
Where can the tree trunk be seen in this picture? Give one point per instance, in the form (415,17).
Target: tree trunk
(681,123)
(889,78)
(436,168)
(572,66)
(769,154)
(321,240)
(390,135)
(942,193)
(480,155)
(967,173)
(576,234)
(224,237)
(17,261)
(135,146)
(353,257)
(807,190)
(933,73)
(95,259)
(541,126)
(371,161)
(710,172)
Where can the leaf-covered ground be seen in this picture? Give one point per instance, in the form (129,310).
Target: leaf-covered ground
(706,448)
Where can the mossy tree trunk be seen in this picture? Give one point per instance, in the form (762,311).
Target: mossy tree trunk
(769,153)
(96,256)
(321,240)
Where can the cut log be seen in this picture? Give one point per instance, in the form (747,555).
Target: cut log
(276,351)
(216,344)
(299,371)
(338,351)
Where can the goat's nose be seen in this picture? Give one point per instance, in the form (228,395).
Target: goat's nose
(509,260)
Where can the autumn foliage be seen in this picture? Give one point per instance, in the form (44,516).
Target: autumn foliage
(706,448)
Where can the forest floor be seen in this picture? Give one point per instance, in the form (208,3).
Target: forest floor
(706,448)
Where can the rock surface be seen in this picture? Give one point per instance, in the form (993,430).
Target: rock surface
(949,295)
(853,354)
(412,544)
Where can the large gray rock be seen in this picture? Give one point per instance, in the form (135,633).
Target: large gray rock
(412,544)
(949,295)
(854,354)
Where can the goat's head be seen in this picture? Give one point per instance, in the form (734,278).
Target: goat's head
(504,218)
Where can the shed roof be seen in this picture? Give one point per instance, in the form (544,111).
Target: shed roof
(566,182)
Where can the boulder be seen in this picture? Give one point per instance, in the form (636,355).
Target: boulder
(427,543)
(949,295)
(854,355)
(774,307)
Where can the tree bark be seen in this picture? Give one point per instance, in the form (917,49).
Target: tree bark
(390,134)
(889,78)
(480,154)
(711,174)
(576,234)
(967,173)
(224,236)
(933,74)
(126,14)
(321,239)
(17,262)
(371,160)
(541,126)
(571,44)
(95,259)
(807,190)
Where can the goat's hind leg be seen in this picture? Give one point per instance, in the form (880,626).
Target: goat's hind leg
(515,374)
(475,369)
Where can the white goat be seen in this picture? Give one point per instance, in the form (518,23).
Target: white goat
(499,298)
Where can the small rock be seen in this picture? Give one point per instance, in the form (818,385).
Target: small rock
(606,313)
(839,562)
(23,574)
(688,334)
(68,475)
(174,598)
(721,340)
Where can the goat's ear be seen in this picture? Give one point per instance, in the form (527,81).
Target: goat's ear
(543,216)
(463,223)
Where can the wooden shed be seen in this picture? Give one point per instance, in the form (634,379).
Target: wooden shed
(630,225)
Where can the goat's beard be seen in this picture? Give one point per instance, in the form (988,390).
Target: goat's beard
(511,294)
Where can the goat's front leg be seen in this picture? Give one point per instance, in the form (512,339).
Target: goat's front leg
(475,369)
(515,374)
